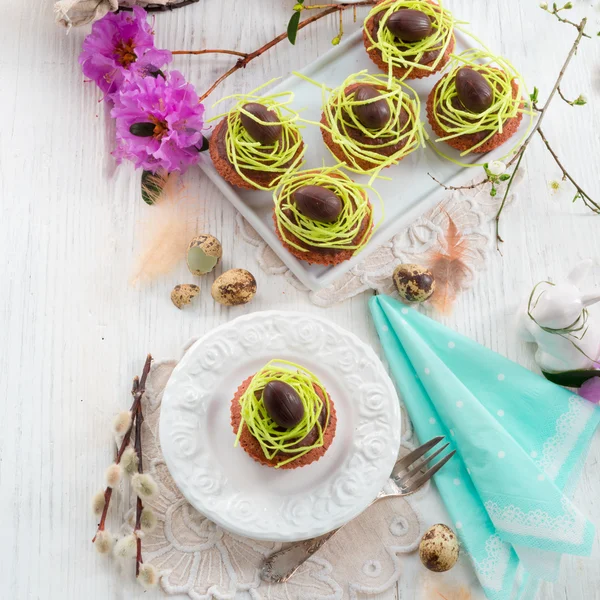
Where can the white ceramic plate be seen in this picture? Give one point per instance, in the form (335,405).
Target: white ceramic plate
(261,502)
(409,194)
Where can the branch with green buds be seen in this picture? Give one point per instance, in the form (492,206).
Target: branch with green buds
(290,34)
(128,462)
(493,178)
(556,10)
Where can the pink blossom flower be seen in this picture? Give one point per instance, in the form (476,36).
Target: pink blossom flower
(121,44)
(590,390)
(159,122)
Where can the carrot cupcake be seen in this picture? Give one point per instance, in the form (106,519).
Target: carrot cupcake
(257,141)
(321,216)
(478,104)
(409,38)
(283,417)
(370,122)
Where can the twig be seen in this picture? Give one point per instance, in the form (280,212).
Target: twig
(542,112)
(211,51)
(160,7)
(137,391)
(499,240)
(139,419)
(459,187)
(591,204)
(246,58)
(555,10)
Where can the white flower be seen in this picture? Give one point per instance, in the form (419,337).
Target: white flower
(144,486)
(544,5)
(496,167)
(98,503)
(129,461)
(126,547)
(103,542)
(148,577)
(113,475)
(122,422)
(148,520)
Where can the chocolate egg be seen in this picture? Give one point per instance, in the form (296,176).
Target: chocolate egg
(409,25)
(414,282)
(266,135)
(317,203)
(473,90)
(283,404)
(374,115)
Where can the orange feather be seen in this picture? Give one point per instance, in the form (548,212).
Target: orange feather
(166,230)
(449,268)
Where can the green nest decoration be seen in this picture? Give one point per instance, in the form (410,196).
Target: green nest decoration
(273,439)
(397,54)
(342,232)
(246,154)
(508,101)
(402,134)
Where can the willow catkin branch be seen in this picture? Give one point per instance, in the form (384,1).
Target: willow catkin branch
(137,391)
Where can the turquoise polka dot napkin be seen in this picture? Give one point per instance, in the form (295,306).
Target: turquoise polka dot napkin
(520,442)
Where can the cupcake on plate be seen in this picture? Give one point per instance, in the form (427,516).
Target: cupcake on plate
(257,141)
(409,38)
(478,104)
(321,216)
(370,122)
(283,417)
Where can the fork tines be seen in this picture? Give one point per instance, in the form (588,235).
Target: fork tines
(408,474)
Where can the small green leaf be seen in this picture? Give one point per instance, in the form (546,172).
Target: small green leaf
(142,129)
(493,192)
(504,177)
(534,96)
(151,191)
(292,29)
(572,379)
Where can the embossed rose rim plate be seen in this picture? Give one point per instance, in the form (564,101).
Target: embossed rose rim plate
(224,483)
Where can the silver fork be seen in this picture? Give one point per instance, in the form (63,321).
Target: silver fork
(280,566)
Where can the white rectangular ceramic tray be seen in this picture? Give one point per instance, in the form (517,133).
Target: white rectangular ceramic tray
(408,194)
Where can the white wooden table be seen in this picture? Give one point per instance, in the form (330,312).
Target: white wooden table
(74,331)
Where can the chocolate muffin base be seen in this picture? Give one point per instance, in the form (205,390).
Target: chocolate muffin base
(251,446)
(218,154)
(465,142)
(400,72)
(337,150)
(322,256)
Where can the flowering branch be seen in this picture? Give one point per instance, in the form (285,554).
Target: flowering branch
(247,58)
(580,193)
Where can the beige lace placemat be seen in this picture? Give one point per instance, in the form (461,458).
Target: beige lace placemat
(196,557)
(473,211)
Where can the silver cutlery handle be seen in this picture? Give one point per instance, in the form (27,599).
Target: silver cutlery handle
(279,567)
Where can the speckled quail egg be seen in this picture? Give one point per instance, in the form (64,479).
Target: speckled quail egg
(414,283)
(439,548)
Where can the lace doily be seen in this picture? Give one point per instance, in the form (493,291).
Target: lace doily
(472,211)
(196,557)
